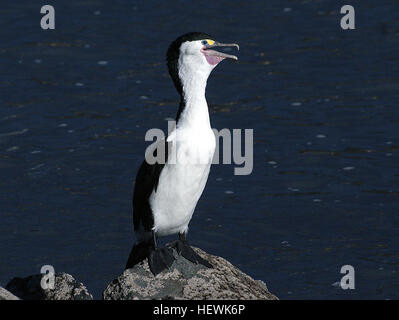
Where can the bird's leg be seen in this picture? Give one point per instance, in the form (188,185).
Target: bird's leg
(159,259)
(183,248)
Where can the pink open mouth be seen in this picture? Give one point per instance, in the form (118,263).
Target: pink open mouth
(214,57)
(213,60)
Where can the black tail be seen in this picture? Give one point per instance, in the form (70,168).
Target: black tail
(140,251)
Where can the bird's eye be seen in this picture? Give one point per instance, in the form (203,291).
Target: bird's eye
(204,42)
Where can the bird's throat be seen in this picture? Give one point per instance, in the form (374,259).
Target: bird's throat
(193,110)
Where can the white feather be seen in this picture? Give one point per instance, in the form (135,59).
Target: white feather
(185,174)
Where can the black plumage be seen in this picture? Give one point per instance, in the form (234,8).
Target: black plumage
(146,182)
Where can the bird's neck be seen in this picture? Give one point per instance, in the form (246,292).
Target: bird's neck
(193,110)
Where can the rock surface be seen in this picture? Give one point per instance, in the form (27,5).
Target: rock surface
(7,295)
(186,280)
(65,288)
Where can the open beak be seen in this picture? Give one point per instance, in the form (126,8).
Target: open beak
(208,51)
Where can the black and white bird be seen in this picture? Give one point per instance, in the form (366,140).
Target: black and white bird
(166,194)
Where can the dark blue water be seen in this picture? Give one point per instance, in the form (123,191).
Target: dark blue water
(76,102)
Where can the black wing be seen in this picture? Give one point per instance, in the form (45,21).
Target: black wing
(147,181)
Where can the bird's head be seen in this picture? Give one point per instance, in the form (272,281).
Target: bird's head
(194,55)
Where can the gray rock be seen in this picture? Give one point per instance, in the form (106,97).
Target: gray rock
(7,295)
(187,280)
(65,288)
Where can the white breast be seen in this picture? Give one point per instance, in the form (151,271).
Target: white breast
(182,180)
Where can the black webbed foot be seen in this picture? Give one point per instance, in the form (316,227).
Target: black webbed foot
(183,248)
(160,259)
